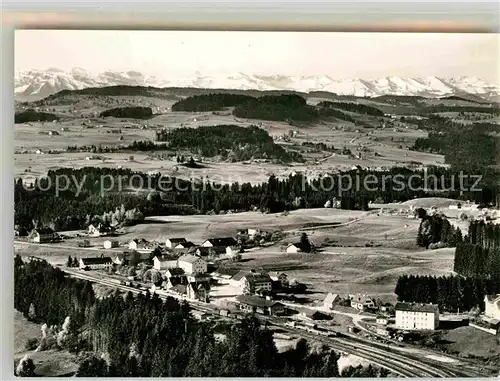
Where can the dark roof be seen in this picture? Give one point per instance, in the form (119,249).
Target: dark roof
(209,250)
(256,277)
(176,281)
(225,241)
(96,260)
(330,298)
(361,298)
(180,288)
(315,315)
(240,274)
(142,256)
(176,271)
(256,301)
(186,244)
(177,240)
(417,307)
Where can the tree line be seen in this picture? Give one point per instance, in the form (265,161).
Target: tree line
(286,107)
(210,102)
(34,116)
(352,107)
(479,254)
(128,112)
(70,209)
(145,336)
(469,147)
(436,231)
(451,293)
(233,142)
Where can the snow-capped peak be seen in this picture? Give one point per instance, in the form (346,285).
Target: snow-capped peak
(41,83)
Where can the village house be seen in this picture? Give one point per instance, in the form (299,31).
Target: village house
(174,272)
(313,315)
(172,242)
(108,244)
(198,291)
(255,304)
(198,277)
(417,316)
(141,245)
(99,230)
(162,264)
(236,279)
(96,263)
(43,235)
(192,264)
(224,274)
(203,251)
(331,300)
(170,283)
(492,306)
(229,243)
(362,302)
(184,245)
(256,282)
(276,276)
(120,259)
(293,248)
(251,233)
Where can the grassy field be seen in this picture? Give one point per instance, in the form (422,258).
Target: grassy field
(366,255)
(471,342)
(376,147)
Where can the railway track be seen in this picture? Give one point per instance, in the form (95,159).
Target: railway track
(402,365)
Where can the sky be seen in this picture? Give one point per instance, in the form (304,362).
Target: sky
(170,54)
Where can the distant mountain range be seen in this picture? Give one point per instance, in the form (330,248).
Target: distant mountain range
(42,83)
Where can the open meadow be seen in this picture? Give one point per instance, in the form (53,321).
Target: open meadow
(385,144)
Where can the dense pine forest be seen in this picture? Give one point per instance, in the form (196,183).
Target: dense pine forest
(470,147)
(102,190)
(210,102)
(230,142)
(435,229)
(283,107)
(145,336)
(33,116)
(479,255)
(128,112)
(277,108)
(352,107)
(477,261)
(452,293)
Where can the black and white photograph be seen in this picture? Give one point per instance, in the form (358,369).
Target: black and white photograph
(256,204)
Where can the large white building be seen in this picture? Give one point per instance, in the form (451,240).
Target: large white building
(492,306)
(163,263)
(417,316)
(192,264)
(256,282)
(96,263)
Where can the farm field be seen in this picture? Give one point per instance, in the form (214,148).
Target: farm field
(378,147)
(365,254)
